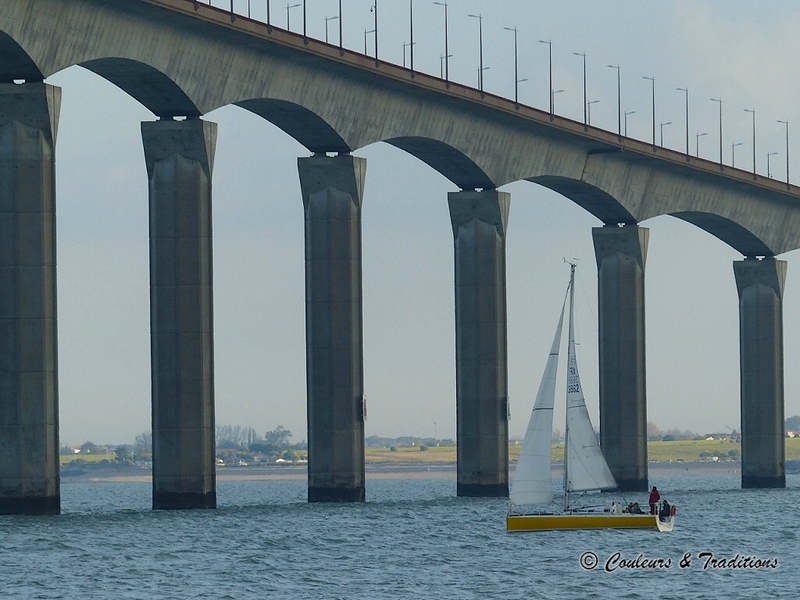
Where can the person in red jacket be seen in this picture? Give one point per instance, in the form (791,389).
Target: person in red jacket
(654,498)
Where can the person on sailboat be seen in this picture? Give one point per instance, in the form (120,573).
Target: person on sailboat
(665,511)
(654,498)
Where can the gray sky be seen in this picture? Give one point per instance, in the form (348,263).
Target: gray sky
(737,50)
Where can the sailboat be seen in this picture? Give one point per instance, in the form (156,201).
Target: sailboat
(585,467)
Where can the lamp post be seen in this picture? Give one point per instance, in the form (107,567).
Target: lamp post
(733,153)
(585,116)
(769,174)
(374,9)
(269,25)
(327,20)
(366,33)
(480,49)
(341,47)
(553,101)
(662,131)
(405,45)
(753,112)
(787,149)
(442,64)
(550,45)
(719,100)
(411,30)
(653,81)
(697,143)
(628,112)
(446,50)
(589,110)
(686,91)
(517,80)
(619,99)
(305,37)
(289,8)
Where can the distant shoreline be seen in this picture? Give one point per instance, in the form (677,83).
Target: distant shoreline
(374,471)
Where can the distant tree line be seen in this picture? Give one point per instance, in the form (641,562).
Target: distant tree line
(375,441)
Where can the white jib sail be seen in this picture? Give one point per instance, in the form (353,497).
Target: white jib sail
(531,484)
(585,466)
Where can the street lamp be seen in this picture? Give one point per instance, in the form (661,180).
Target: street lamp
(585,116)
(327,20)
(768,155)
(517,80)
(787,149)
(288,8)
(480,77)
(628,112)
(720,128)
(480,49)
(589,110)
(653,80)
(733,153)
(442,64)
(753,112)
(697,143)
(269,25)
(446,50)
(411,30)
(553,100)
(619,99)
(366,33)
(686,90)
(550,44)
(374,9)
(662,131)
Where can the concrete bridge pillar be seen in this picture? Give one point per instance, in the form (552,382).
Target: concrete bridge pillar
(479,222)
(333,190)
(621,253)
(180,156)
(760,285)
(29,469)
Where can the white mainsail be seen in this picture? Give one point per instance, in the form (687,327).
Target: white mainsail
(585,466)
(531,484)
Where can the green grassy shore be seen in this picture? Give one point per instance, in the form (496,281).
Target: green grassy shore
(675,451)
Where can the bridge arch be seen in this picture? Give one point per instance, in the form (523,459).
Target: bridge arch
(592,199)
(732,233)
(152,88)
(304,125)
(16,63)
(446,159)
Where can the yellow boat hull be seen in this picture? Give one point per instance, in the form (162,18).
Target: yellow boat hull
(585,521)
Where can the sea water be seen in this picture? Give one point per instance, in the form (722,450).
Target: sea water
(413,538)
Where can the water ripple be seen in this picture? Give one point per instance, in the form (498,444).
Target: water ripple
(412,539)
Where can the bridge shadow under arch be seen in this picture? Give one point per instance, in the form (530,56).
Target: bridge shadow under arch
(450,162)
(594,200)
(305,126)
(730,232)
(15,64)
(152,88)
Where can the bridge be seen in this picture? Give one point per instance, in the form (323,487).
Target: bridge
(334,101)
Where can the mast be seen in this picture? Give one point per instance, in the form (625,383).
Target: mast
(585,468)
(571,342)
